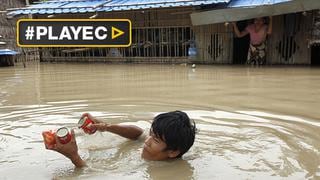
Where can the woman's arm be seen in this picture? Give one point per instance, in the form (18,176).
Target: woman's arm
(238,33)
(270,25)
(128,131)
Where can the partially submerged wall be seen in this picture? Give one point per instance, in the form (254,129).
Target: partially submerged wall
(166,35)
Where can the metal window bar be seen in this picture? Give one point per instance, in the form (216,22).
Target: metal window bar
(146,42)
(288,48)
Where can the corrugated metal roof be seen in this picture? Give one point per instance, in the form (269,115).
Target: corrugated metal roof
(8,52)
(252,3)
(83,6)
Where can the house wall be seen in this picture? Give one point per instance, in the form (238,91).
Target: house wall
(161,36)
(214,43)
(288,43)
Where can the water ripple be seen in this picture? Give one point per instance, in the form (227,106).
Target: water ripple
(252,144)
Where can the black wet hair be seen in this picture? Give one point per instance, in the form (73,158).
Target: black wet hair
(176,130)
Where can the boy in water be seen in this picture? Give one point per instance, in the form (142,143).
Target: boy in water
(171,135)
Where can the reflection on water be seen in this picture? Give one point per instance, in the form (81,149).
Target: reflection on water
(253,122)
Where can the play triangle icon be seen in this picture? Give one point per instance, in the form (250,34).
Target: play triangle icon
(116,32)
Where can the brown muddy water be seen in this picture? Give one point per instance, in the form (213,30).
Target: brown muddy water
(254,123)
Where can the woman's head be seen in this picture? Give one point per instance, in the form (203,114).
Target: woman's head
(259,21)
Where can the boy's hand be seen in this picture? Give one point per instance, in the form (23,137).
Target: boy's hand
(98,124)
(69,150)
(95,120)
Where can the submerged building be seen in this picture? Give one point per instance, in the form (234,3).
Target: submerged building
(8,49)
(10,53)
(188,31)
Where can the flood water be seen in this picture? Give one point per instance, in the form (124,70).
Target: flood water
(254,123)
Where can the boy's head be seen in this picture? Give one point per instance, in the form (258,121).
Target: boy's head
(171,135)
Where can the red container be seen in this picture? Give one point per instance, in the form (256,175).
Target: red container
(63,135)
(48,138)
(84,122)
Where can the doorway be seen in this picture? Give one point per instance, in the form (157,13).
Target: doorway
(315,55)
(241,45)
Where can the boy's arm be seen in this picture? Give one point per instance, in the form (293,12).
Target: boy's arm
(77,161)
(128,131)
